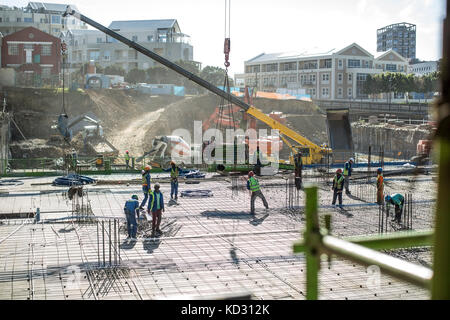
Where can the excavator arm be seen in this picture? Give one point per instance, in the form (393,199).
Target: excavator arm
(315,149)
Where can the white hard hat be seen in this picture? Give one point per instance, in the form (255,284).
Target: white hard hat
(352,160)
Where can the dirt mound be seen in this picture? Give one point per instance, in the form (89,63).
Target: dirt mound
(35,148)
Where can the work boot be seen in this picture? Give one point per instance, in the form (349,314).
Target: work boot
(159,231)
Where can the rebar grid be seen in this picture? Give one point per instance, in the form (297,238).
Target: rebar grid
(208,245)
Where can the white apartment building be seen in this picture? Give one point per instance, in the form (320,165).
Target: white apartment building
(46,17)
(164,37)
(424,68)
(336,74)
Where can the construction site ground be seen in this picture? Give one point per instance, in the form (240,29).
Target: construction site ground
(209,246)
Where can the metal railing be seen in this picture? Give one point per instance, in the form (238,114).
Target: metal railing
(318,241)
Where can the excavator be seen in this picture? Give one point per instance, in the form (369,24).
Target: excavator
(311,152)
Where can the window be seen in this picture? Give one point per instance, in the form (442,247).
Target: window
(94,55)
(27,19)
(312,78)
(99,40)
(56,20)
(46,50)
(340,64)
(134,38)
(107,55)
(312,92)
(391,67)
(149,38)
(352,63)
(349,92)
(340,77)
(350,77)
(340,92)
(266,81)
(292,79)
(366,64)
(46,71)
(283,80)
(19,19)
(325,77)
(1,19)
(325,92)
(13,49)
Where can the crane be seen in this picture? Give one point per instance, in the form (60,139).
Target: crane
(311,152)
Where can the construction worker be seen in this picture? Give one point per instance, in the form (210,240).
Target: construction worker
(174,173)
(127,159)
(253,186)
(298,167)
(380,186)
(131,210)
(257,156)
(338,186)
(348,173)
(398,201)
(146,188)
(155,206)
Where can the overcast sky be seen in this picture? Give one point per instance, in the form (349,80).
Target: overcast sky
(270,26)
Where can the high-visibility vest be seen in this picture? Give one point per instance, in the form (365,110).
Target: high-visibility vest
(380,181)
(254,184)
(338,182)
(346,166)
(144,178)
(158,199)
(174,173)
(127,156)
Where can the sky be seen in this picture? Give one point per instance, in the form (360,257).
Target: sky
(270,26)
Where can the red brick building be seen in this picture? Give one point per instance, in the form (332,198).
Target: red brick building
(33,53)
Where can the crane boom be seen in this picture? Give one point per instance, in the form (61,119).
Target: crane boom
(203,83)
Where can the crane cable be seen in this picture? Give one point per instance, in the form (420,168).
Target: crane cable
(226,85)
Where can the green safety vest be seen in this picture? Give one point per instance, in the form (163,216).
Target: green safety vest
(254,184)
(127,156)
(338,182)
(345,168)
(158,199)
(174,173)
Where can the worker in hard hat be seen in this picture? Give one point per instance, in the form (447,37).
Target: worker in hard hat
(174,173)
(380,186)
(398,201)
(347,174)
(253,186)
(145,185)
(338,186)
(156,206)
(127,159)
(131,210)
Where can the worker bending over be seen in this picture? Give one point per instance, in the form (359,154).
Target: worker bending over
(174,173)
(253,186)
(398,201)
(338,186)
(131,210)
(146,188)
(155,206)
(380,186)
(347,174)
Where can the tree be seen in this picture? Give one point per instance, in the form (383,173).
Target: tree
(135,76)
(214,75)
(115,70)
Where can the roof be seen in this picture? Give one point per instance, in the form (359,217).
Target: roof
(264,57)
(384,54)
(50,6)
(145,24)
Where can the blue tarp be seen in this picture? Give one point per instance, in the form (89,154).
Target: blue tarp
(73,180)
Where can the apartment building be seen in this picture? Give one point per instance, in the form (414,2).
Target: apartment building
(46,17)
(400,37)
(163,37)
(424,68)
(335,74)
